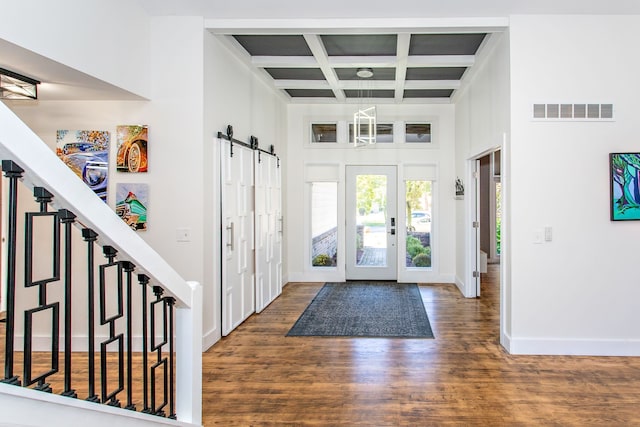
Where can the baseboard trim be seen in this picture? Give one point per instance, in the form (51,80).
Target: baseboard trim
(339,277)
(572,347)
(210,338)
(460,284)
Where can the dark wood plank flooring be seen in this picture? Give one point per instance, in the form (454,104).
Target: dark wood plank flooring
(257,376)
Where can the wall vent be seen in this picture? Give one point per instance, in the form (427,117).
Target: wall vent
(585,112)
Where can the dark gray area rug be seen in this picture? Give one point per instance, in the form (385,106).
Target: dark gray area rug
(365,309)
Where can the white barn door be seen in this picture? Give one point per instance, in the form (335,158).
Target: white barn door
(238,292)
(268,220)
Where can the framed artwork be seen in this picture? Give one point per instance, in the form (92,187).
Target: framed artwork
(132,148)
(131,204)
(625,193)
(86,152)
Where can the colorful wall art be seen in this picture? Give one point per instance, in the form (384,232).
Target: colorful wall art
(131,204)
(625,193)
(132,148)
(86,152)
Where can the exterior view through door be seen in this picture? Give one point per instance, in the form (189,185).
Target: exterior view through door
(371,223)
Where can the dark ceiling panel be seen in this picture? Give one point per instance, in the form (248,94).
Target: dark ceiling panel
(375,93)
(296,73)
(427,93)
(378,74)
(435,73)
(310,93)
(360,45)
(274,45)
(445,44)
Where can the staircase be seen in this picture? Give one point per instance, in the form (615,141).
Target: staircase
(83,288)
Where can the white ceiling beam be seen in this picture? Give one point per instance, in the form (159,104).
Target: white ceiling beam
(378,101)
(284,62)
(402,56)
(386,25)
(362,61)
(367,85)
(441,61)
(320,54)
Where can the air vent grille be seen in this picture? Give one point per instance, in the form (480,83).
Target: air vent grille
(573,111)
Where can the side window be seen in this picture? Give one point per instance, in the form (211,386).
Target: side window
(418,132)
(419,223)
(324,132)
(324,224)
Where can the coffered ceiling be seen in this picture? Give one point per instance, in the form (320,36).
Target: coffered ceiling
(317,67)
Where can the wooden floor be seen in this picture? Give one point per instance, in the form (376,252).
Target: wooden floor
(257,376)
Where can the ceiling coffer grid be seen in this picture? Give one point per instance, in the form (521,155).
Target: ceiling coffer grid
(323,67)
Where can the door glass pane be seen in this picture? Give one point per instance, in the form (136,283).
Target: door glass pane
(371,220)
(418,196)
(324,224)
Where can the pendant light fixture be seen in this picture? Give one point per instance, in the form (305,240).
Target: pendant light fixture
(364,120)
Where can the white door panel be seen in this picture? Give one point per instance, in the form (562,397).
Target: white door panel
(268,236)
(238,299)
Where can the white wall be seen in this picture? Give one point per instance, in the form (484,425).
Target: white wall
(300,153)
(577,294)
(45,118)
(107,39)
(175,119)
(233,96)
(482,125)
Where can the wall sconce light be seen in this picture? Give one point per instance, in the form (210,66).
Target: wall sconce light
(17,86)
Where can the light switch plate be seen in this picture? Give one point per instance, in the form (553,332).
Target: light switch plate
(183,234)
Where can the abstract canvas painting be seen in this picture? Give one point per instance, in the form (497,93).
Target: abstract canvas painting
(86,152)
(131,204)
(132,148)
(625,193)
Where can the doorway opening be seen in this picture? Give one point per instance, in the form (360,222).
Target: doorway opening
(488,219)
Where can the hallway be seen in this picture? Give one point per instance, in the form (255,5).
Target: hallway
(257,376)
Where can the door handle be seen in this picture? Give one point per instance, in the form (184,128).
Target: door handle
(230,228)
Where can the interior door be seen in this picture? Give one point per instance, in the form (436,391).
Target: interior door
(268,223)
(371,223)
(475,234)
(238,291)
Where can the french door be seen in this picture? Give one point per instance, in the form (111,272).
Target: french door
(238,293)
(371,223)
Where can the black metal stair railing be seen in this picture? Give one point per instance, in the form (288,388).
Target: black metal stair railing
(114,312)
